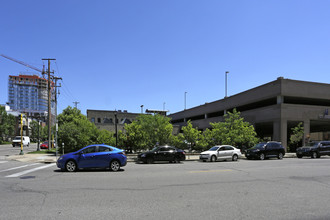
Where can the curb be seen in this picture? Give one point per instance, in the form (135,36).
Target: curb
(45,158)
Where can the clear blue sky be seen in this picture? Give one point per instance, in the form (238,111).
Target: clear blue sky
(120,54)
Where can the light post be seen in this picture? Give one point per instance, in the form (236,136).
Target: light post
(185,100)
(141,109)
(164,106)
(116,128)
(38,147)
(226,83)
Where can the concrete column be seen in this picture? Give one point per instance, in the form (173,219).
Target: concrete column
(276,131)
(307,130)
(284,133)
(205,116)
(280,128)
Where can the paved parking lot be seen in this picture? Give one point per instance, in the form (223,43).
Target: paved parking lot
(271,189)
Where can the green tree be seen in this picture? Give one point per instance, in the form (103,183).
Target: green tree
(178,141)
(106,137)
(296,137)
(76,131)
(234,131)
(7,124)
(147,130)
(191,136)
(206,140)
(36,129)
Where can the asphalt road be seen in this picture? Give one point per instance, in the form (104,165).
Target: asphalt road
(8,149)
(270,189)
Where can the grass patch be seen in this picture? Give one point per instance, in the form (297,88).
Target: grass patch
(52,151)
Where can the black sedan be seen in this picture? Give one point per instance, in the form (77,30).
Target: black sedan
(314,149)
(162,153)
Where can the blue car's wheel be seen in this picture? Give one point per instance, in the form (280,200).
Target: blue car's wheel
(115,165)
(71,166)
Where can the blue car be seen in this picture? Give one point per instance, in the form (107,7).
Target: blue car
(93,156)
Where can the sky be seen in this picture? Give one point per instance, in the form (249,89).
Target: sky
(121,54)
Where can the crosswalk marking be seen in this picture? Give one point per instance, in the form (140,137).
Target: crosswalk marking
(15,168)
(30,171)
(3,161)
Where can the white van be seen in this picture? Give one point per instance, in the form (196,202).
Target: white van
(17,141)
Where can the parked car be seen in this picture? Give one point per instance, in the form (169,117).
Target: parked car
(314,149)
(17,141)
(162,153)
(266,150)
(44,145)
(93,156)
(221,152)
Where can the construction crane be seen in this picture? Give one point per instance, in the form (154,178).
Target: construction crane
(25,64)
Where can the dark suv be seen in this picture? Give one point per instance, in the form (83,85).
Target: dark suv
(163,153)
(314,149)
(266,150)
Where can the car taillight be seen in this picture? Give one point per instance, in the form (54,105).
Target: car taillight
(123,153)
(183,152)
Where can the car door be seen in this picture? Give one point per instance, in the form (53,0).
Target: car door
(323,147)
(87,158)
(328,148)
(166,154)
(103,156)
(270,150)
(229,152)
(160,154)
(221,152)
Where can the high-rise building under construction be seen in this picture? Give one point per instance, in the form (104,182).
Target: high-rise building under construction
(28,94)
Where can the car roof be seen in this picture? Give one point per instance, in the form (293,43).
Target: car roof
(166,146)
(224,145)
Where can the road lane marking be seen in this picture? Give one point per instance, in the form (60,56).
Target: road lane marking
(3,161)
(15,168)
(30,171)
(209,171)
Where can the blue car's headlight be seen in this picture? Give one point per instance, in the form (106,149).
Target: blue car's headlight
(143,155)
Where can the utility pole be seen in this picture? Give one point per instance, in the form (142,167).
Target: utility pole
(76,104)
(56,78)
(49,105)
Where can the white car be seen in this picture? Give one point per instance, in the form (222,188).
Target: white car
(221,152)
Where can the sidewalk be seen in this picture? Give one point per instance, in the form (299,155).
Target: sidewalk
(50,158)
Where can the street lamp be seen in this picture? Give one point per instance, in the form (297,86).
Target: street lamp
(141,109)
(116,128)
(226,83)
(185,100)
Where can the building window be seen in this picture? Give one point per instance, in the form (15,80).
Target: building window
(98,120)
(93,120)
